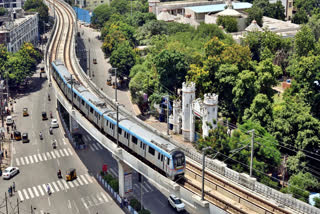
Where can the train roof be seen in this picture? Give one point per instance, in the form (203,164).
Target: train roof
(59,65)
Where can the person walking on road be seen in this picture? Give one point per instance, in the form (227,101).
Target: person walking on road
(48,189)
(14,186)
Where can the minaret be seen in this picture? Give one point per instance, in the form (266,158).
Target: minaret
(188,95)
(210,113)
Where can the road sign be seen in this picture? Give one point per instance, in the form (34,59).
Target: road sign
(105,168)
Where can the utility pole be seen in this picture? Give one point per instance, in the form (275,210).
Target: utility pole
(89,72)
(141,191)
(72,91)
(18,205)
(168,103)
(284,170)
(5,196)
(117,124)
(251,159)
(116,86)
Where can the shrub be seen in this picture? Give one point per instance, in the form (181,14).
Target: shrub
(135,204)
(229,23)
(114,185)
(143,211)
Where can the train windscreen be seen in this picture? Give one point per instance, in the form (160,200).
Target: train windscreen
(178,160)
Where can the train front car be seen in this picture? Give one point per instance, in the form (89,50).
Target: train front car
(179,163)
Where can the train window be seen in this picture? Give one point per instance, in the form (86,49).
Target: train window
(119,130)
(112,127)
(107,122)
(134,140)
(168,160)
(87,106)
(151,150)
(74,94)
(141,144)
(144,146)
(161,157)
(82,102)
(91,109)
(78,98)
(95,114)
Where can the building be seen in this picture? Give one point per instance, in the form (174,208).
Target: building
(91,4)
(19,28)
(11,3)
(288,7)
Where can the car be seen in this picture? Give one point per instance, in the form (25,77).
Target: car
(25,138)
(176,203)
(25,112)
(10,172)
(44,115)
(54,123)
(9,120)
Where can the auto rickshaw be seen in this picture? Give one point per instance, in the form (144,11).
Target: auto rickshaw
(44,115)
(109,81)
(54,144)
(94,61)
(17,135)
(42,70)
(25,112)
(71,174)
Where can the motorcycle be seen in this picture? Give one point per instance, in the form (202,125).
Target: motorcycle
(50,114)
(59,174)
(41,137)
(50,130)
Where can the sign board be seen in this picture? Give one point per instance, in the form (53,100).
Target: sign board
(105,168)
(127,183)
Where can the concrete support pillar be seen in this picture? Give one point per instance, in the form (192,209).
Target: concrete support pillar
(125,179)
(192,127)
(188,95)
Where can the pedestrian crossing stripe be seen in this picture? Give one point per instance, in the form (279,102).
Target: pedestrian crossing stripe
(95,146)
(89,178)
(30,192)
(91,147)
(60,185)
(35,191)
(71,184)
(94,200)
(20,195)
(100,147)
(40,189)
(84,203)
(36,158)
(55,186)
(84,179)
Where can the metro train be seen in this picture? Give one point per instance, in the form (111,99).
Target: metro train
(152,149)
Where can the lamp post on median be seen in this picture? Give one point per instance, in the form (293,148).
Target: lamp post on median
(116,85)
(118,122)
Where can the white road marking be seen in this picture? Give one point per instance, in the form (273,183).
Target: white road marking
(69,204)
(65,151)
(60,185)
(84,179)
(95,146)
(75,182)
(95,201)
(35,158)
(22,160)
(53,155)
(70,151)
(84,203)
(18,162)
(79,180)
(14,150)
(35,191)
(58,162)
(100,198)
(20,195)
(49,202)
(145,189)
(40,157)
(65,184)
(27,161)
(51,189)
(44,187)
(25,194)
(100,147)
(30,192)
(148,186)
(75,205)
(89,201)
(71,184)
(64,141)
(55,186)
(113,172)
(61,152)
(40,189)
(31,159)
(104,196)
(91,147)
(49,156)
(44,156)
(89,178)
(57,153)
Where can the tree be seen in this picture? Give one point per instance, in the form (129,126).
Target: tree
(297,163)
(138,18)
(300,185)
(255,13)
(4,55)
(260,111)
(3,11)
(112,40)
(101,14)
(200,77)
(214,47)
(244,91)
(229,23)
(172,68)
(123,58)
(314,24)
(121,6)
(304,41)
(150,29)
(300,17)
(41,8)
(277,10)
(237,55)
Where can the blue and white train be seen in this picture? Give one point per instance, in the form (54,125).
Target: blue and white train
(152,149)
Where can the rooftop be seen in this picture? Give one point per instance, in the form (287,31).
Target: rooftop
(219,7)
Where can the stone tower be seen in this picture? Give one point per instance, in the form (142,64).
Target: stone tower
(176,116)
(188,94)
(210,113)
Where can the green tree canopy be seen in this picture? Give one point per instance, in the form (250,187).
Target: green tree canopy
(41,8)
(229,23)
(304,41)
(101,14)
(255,13)
(172,68)
(123,58)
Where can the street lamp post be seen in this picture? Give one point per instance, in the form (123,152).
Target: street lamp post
(71,81)
(168,103)
(116,86)
(118,122)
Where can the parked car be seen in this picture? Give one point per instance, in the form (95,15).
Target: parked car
(9,120)
(176,203)
(54,123)
(25,138)
(10,172)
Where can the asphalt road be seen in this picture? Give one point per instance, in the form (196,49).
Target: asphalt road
(39,162)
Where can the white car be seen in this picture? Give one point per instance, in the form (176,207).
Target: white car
(176,203)
(9,120)
(10,172)
(54,123)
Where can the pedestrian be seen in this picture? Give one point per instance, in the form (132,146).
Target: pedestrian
(5,151)
(11,136)
(14,126)
(8,129)
(10,191)
(14,186)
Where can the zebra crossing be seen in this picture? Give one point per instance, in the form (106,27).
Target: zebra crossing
(55,187)
(94,146)
(145,187)
(95,199)
(45,156)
